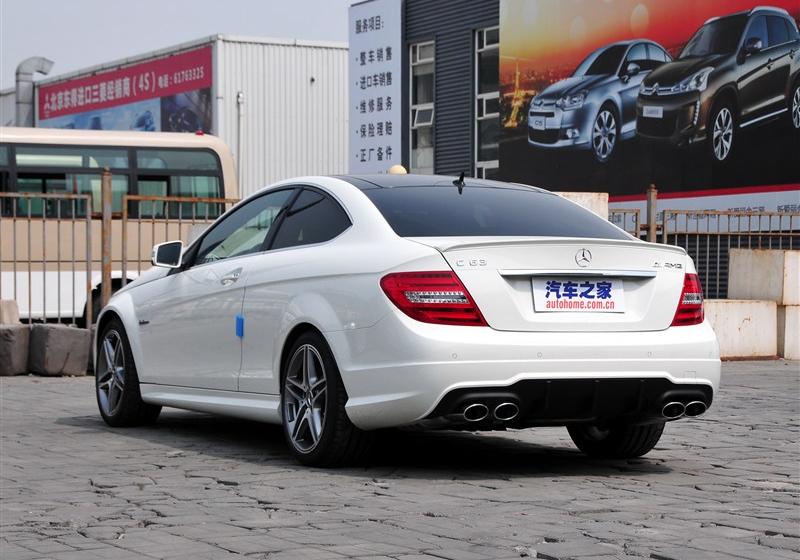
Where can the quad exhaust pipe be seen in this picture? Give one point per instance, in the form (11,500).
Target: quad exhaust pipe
(674,410)
(476,412)
(504,412)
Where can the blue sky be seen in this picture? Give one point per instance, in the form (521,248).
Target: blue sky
(80,33)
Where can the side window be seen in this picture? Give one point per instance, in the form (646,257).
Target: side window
(313,218)
(657,54)
(244,231)
(778,33)
(758,29)
(791,28)
(637,55)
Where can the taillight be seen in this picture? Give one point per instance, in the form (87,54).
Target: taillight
(690,306)
(432,297)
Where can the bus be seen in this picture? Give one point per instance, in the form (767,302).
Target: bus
(50,208)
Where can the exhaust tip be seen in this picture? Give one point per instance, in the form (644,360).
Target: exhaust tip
(506,411)
(476,412)
(695,408)
(673,410)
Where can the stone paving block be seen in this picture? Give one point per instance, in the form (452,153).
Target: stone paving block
(14,342)
(9,312)
(58,350)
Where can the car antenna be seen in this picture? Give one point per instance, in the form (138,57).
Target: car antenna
(460,183)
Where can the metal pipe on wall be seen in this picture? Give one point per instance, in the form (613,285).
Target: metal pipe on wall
(24,86)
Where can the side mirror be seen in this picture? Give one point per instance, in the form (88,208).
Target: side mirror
(632,69)
(752,46)
(168,255)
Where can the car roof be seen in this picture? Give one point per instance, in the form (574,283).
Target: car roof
(757,9)
(389,181)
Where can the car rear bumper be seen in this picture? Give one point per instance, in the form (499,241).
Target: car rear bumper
(399,371)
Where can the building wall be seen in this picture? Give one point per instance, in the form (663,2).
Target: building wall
(295,107)
(7,107)
(452,25)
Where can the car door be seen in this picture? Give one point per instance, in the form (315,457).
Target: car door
(189,328)
(291,268)
(629,88)
(757,91)
(780,57)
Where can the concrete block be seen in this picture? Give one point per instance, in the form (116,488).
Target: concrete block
(789,332)
(14,341)
(58,350)
(744,328)
(597,202)
(765,274)
(9,312)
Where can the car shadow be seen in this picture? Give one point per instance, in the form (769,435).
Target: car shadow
(414,454)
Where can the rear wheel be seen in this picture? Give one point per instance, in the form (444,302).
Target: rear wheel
(616,442)
(116,382)
(313,399)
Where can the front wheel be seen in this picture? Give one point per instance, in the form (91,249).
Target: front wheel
(116,381)
(794,106)
(722,132)
(313,399)
(605,134)
(616,442)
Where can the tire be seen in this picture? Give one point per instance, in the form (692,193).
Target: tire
(618,442)
(313,398)
(605,134)
(117,388)
(722,132)
(794,107)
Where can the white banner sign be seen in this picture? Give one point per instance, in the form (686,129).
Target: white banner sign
(375,85)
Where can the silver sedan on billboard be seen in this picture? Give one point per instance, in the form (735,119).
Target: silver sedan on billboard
(595,108)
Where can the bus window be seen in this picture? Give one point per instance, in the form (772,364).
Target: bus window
(49,156)
(195,160)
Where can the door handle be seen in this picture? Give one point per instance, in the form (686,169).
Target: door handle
(231,277)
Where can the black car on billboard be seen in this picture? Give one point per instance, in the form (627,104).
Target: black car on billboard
(736,71)
(595,108)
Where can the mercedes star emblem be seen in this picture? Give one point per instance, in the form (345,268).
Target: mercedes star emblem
(583,258)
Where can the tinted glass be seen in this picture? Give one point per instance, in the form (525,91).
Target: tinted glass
(243,231)
(3,156)
(778,32)
(637,54)
(794,35)
(177,159)
(720,36)
(758,30)
(46,156)
(657,54)
(313,218)
(488,70)
(602,62)
(439,211)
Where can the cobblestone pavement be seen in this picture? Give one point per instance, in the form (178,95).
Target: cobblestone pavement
(195,486)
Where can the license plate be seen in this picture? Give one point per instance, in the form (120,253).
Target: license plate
(538,123)
(578,295)
(653,112)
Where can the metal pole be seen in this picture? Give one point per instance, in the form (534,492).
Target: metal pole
(105,192)
(652,198)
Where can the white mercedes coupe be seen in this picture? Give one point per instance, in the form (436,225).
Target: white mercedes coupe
(337,306)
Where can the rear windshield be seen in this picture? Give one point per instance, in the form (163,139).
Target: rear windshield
(439,211)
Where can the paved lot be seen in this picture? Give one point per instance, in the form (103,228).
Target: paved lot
(196,486)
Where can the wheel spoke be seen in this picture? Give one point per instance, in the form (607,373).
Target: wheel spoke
(318,391)
(108,352)
(299,421)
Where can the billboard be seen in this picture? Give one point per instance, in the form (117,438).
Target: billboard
(694,96)
(375,85)
(171,94)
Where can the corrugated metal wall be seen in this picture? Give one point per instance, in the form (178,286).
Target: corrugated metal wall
(8,109)
(451,23)
(295,108)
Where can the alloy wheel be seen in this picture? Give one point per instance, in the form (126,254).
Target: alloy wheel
(111,373)
(723,134)
(305,388)
(604,134)
(796,108)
